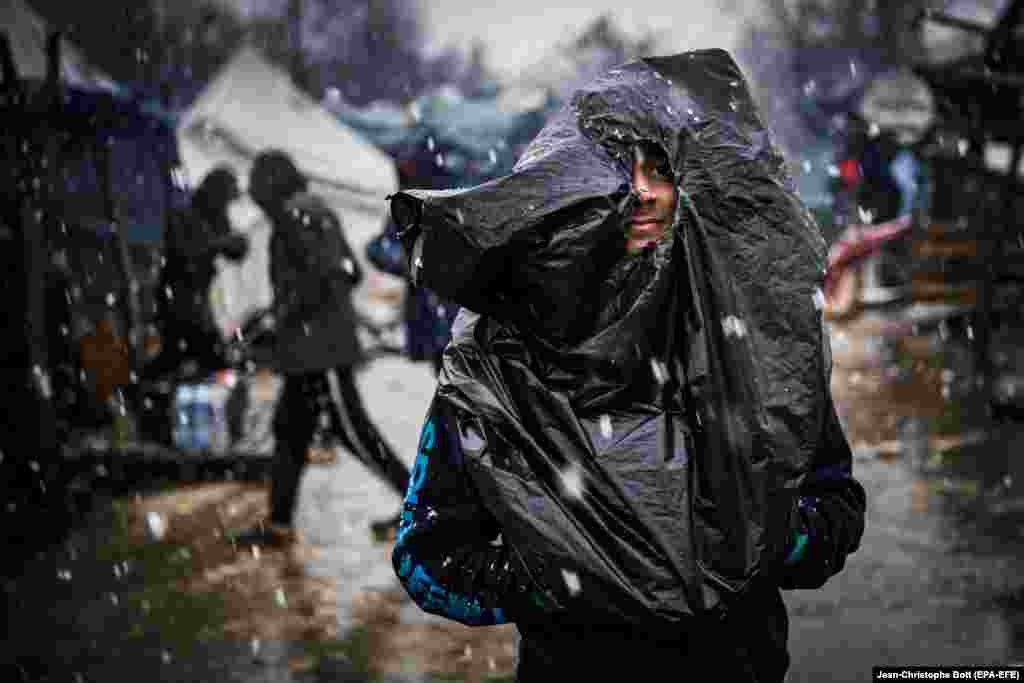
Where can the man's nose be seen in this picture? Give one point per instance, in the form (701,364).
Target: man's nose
(642,185)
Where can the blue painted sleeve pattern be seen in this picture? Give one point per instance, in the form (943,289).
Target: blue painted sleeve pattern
(448,554)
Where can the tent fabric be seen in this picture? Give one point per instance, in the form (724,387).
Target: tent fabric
(28,35)
(461,140)
(714,329)
(93,107)
(249,106)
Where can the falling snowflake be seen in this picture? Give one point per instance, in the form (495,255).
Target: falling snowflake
(43,383)
(734,327)
(606,426)
(572,581)
(572,481)
(156,526)
(660,370)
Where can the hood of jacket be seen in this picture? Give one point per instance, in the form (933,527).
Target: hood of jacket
(722,315)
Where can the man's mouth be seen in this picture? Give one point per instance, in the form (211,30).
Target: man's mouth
(645,222)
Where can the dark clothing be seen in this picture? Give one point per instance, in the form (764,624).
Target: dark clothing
(749,645)
(634,442)
(307,402)
(428,318)
(313,272)
(187,340)
(192,243)
(194,239)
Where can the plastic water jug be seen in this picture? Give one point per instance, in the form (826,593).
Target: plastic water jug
(200,423)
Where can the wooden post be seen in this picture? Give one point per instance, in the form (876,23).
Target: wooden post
(35,212)
(129,299)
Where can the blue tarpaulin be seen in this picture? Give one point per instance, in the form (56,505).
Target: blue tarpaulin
(465,140)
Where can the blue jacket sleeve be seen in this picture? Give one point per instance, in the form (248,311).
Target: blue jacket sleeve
(828,515)
(449,554)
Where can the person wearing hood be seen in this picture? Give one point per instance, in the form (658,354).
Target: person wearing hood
(194,241)
(313,273)
(632,448)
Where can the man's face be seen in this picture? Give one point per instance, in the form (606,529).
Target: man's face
(653,182)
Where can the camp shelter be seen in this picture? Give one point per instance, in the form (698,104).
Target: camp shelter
(87,188)
(252,105)
(28,34)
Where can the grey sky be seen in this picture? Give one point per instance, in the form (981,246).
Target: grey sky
(521,32)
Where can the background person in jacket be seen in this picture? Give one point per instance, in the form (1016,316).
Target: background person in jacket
(632,447)
(194,240)
(426,318)
(313,273)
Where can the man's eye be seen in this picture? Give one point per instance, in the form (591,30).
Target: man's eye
(663,169)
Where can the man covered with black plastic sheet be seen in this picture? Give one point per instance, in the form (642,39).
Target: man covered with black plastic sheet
(632,443)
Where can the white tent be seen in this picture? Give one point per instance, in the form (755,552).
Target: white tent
(28,35)
(250,106)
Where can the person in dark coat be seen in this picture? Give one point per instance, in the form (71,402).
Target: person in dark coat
(194,240)
(632,448)
(313,273)
(426,317)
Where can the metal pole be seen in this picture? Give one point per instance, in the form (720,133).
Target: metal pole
(298,66)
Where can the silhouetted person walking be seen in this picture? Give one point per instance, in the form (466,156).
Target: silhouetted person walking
(313,273)
(194,240)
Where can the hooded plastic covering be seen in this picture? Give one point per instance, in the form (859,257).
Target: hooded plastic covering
(720,319)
